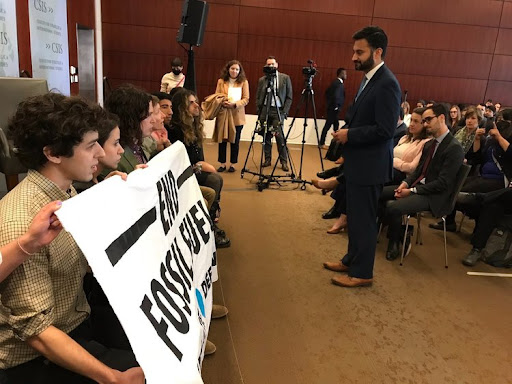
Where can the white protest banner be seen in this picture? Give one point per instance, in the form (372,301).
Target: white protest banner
(48,22)
(150,244)
(9,62)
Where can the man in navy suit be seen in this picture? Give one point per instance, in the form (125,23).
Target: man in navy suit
(335,96)
(368,153)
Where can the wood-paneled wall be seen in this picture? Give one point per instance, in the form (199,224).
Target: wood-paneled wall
(455,51)
(79,12)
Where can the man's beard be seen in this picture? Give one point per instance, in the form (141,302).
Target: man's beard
(365,66)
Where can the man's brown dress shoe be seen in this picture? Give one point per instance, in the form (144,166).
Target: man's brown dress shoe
(351,282)
(337,266)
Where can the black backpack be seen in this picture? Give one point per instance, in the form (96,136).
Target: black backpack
(498,250)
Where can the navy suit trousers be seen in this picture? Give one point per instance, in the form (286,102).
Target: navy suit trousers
(362,204)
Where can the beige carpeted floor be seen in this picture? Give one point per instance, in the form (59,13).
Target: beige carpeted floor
(419,323)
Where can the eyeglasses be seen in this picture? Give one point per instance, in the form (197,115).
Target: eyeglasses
(428,119)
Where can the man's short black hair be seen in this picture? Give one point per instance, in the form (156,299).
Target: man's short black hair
(375,36)
(491,107)
(176,62)
(439,109)
(338,72)
(51,120)
(162,96)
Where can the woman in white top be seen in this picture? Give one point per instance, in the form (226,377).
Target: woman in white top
(235,86)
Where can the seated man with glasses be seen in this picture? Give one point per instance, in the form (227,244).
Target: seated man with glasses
(429,187)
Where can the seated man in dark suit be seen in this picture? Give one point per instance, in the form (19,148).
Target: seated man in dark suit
(430,185)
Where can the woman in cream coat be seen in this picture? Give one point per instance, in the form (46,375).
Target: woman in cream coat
(235,86)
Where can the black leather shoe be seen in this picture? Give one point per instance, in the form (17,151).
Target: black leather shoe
(450,227)
(328,173)
(332,213)
(221,240)
(284,166)
(266,163)
(393,250)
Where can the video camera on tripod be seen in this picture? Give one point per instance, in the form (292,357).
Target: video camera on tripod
(309,72)
(269,71)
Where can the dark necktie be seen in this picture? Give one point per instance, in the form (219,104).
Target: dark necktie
(424,170)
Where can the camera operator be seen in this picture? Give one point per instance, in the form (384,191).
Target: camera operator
(283,90)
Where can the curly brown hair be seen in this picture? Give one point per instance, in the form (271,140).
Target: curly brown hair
(224,73)
(131,105)
(192,127)
(55,121)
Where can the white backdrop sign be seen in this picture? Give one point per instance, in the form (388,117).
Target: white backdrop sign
(9,62)
(150,244)
(49,43)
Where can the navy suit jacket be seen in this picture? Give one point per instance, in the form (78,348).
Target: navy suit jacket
(371,122)
(335,94)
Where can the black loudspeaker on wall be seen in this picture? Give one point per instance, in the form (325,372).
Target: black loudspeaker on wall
(193,22)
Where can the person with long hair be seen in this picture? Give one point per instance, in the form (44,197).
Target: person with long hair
(187,127)
(134,108)
(455,116)
(407,112)
(234,85)
(407,153)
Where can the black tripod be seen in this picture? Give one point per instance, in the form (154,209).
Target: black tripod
(263,129)
(307,96)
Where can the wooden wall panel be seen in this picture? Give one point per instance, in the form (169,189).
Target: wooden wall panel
(154,13)
(299,24)
(499,91)
(23,29)
(504,43)
(466,12)
(506,18)
(452,37)
(346,7)
(223,18)
(439,63)
(501,68)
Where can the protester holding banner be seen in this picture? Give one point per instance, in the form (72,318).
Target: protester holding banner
(187,127)
(44,228)
(134,108)
(45,333)
(158,140)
